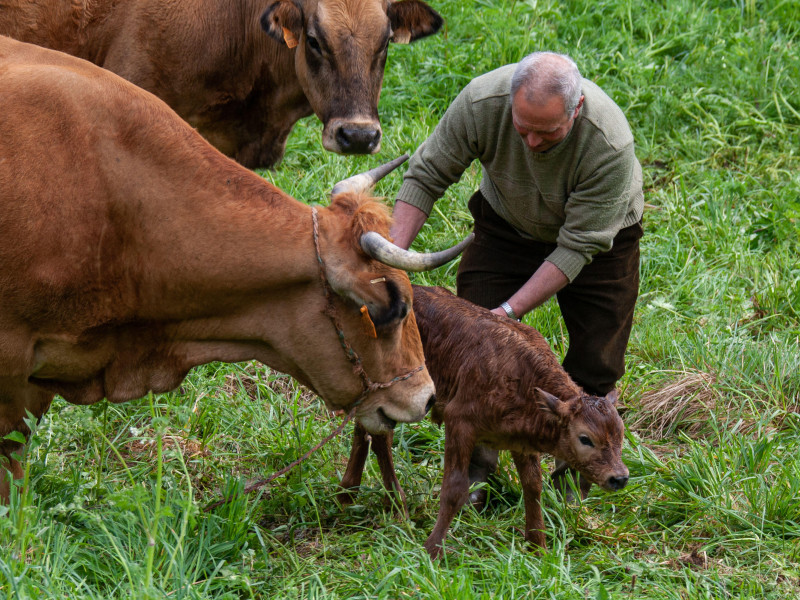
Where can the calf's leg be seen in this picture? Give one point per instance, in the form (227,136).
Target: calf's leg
(563,478)
(458,447)
(482,464)
(351,480)
(16,400)
(530,475)
(10,469)
(382,447)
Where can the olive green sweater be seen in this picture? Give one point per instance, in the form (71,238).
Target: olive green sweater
(578,194)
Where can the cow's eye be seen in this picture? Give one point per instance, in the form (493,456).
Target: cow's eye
(584,439)
(314,44)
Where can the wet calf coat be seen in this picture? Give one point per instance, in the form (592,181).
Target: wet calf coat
(498,383)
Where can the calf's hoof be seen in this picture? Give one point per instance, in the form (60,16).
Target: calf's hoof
(477,499)
(565,480)
(536,542)
(397,505)
(434,549)
(346,497)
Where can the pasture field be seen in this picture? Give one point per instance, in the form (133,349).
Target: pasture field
(114,494)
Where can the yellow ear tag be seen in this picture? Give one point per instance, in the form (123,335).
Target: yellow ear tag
(289,38)
(369,326)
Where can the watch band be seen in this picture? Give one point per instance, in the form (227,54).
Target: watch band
(509,311)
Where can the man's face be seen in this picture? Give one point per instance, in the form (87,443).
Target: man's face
(542,126)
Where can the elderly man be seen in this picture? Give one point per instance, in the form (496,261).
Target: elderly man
(558,211)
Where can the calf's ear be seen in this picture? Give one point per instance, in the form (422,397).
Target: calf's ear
(550,404)
(613,397)
(283,22)
(412,20)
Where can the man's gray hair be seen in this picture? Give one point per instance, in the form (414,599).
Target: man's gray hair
(543,75)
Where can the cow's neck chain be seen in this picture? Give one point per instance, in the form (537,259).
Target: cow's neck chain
(369,386)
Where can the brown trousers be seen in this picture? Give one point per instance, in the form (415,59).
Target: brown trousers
(597,306)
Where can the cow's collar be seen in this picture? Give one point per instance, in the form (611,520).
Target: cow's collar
(368,385)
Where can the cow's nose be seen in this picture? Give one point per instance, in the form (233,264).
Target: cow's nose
(358,140)
(617,483)
(431,402)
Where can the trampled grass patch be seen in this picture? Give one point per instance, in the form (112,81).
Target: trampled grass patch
(112,503)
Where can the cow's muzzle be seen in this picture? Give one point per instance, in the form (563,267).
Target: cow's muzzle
(352,137)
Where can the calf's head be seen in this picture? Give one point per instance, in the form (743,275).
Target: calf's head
(340,51)
(590,439)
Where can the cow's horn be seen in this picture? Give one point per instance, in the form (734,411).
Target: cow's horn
(381,249)
(364,181)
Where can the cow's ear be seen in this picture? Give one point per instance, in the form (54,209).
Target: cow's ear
(345,268)
(283,22)
(412,20)
(550,404)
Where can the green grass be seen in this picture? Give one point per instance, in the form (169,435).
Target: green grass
(114,494)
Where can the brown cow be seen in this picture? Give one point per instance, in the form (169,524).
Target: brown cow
(132,250)
(498,383)
(211,61)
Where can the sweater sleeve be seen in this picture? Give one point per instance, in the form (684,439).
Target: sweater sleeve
(595,212)
(441,160)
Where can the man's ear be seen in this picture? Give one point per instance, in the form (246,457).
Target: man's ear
(412,20)
(283,21)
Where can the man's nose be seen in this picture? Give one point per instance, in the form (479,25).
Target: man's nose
(533,140)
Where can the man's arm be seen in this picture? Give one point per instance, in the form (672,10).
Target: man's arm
(436,165)
(543,284)
(408,220)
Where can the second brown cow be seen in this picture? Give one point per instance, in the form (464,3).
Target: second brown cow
(498,383)
(242,73)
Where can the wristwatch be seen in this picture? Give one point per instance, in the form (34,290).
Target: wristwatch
(509,311)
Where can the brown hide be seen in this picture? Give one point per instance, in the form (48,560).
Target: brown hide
(498,383)
(242,88)
(134,251)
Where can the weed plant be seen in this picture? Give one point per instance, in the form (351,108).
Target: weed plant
(112,501)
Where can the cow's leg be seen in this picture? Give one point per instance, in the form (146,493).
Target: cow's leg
(530,475)
(458,447)
(351,480)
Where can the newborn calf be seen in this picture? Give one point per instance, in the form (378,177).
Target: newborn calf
(499,384)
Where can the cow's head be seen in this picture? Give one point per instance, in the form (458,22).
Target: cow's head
(372,304)
(591,436)
(340,53)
